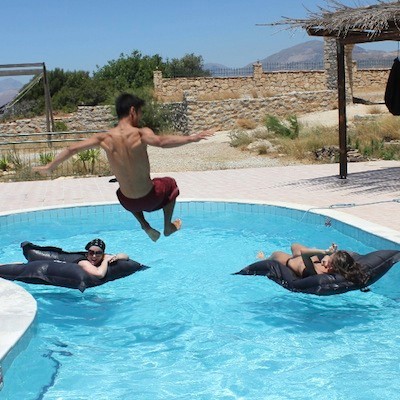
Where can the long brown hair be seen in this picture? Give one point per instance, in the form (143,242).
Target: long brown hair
(344,264)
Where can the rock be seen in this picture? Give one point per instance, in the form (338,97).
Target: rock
(332,153)
(261,146)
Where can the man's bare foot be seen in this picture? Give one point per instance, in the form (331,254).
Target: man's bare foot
(153,234)
(174,226)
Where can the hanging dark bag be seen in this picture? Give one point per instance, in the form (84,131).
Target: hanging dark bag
(392,92)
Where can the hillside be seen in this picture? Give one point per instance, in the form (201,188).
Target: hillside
(9,88)
(311,51)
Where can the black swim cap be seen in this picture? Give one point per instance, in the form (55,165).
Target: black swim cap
(96,242)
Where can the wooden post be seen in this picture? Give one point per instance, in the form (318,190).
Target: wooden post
(47,99)
(342,109)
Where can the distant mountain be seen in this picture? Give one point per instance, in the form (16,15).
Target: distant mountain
(10,83)
(9,88)
(7,96)
(311,52)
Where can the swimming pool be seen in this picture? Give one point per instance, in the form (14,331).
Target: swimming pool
(187,328)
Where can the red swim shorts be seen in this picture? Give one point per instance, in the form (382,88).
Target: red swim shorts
(163,192)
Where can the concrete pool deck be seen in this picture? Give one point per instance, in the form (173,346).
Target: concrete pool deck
(373,188)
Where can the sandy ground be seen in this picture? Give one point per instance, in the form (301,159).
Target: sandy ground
(331,118)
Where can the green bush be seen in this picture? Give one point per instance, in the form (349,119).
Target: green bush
(288,128)
(88,158)
(45,158)
(4,163)
(60,126)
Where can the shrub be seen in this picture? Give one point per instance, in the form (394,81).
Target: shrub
(371,138)
(240,138)
(288,128)
(88,159)
(4,163)
(60,126)
(45,158)
(16,160)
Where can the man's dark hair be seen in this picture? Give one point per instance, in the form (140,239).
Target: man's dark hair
(124,103)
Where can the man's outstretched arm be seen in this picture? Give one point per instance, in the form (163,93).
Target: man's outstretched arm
(66,154)
(150,138)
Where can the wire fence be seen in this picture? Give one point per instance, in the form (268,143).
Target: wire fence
(20,152)
(294,66)
(369,64)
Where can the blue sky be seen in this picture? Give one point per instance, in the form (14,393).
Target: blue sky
(81,34)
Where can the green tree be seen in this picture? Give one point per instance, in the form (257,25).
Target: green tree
(129,71)
(188,66)
(79,89)
(68,89)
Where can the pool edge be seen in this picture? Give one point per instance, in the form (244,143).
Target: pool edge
(356,222)
(18,313)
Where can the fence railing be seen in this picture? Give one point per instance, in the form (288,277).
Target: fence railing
(368,64)
(20,152)
(294,66)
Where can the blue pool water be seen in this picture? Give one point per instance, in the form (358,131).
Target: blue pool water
(188,329)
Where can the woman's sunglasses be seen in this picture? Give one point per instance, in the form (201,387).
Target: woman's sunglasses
(95,252)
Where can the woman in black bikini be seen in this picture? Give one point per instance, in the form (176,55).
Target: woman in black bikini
(305,261)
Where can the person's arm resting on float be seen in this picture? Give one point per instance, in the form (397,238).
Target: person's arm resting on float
(119,256)
(299,249)
(100,271)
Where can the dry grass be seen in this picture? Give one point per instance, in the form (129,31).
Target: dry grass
(305,145)
(384,128)
(175,98)
(246,123)
(218,96)
(377,139)
(375,110)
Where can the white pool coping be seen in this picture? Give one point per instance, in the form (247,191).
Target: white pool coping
(17,313)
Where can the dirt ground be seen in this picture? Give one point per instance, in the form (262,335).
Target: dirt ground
(216,153)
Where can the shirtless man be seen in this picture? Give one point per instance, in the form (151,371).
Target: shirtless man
(126,149)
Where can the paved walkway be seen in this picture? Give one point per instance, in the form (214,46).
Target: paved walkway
(373,187)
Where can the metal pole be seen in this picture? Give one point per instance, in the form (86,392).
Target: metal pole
(342,109)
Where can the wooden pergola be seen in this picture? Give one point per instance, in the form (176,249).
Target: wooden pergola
(349,26)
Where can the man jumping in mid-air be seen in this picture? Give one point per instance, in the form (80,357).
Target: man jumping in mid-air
(126,149)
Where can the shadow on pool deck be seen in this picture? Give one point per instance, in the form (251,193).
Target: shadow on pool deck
(385,180)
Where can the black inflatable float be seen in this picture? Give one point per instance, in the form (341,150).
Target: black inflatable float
(53,266)
(375,264)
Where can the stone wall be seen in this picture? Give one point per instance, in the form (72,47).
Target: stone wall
(375,78)
(259,85)
(87,118)
(226,113)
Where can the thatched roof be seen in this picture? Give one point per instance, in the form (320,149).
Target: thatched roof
(371,23)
